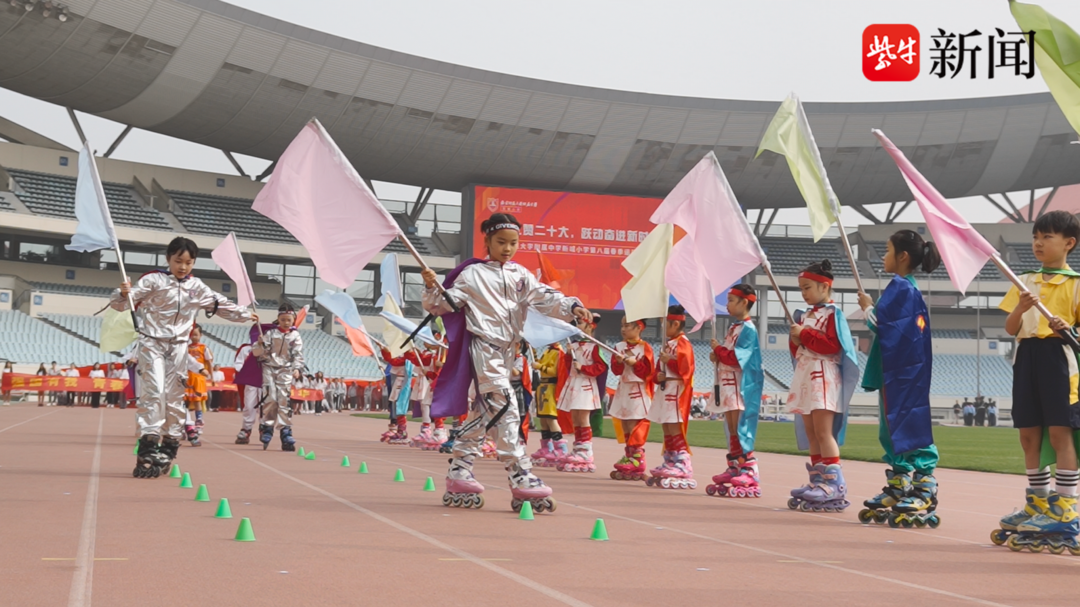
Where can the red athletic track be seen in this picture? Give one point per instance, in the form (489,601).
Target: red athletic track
(330,536)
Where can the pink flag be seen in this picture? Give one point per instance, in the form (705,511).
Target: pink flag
(319,197)
(963,250)
(719,247)
(300,316)
(227,257)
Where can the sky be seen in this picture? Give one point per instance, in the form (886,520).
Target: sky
(727,49)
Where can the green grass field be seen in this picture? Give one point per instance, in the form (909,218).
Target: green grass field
(980,449)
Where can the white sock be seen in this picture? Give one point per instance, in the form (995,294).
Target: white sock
(1066,482)
(1039,480)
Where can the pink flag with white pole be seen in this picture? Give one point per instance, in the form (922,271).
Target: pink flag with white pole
(317,195)
(227,257)
(963,250)
(719,247)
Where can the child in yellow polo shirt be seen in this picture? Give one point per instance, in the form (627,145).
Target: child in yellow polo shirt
(1045,388)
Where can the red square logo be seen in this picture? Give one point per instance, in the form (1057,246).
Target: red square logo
(890,52)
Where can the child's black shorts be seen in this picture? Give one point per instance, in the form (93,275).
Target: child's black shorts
(1042,392)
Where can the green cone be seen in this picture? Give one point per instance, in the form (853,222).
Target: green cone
(526,511)
(300,452)
(202,495)
(244,532)
(399,476)
(175,472)
(429,485)
(135,451)
(185,483)
(223,509)
(363,467)
(345,462)
(310,455)
(599,531)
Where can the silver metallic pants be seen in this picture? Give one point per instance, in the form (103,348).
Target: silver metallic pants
(277,385)
(161,385)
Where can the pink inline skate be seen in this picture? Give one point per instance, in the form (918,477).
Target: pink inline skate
(462,488)
(675,473)
(386,436)
(581,460)
(527,487)
(542,455)
(400,437)
(422,438)
(632,466)
(743,483)
(437,438)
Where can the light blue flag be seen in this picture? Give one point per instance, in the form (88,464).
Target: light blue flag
(390,277)
(341,305)
(407,326)
(95,230)
(541,330)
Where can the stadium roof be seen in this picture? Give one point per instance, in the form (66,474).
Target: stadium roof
(216,74)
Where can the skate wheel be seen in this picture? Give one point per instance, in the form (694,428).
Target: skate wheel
(478,501)
(446,500)
(997,536)
(793,503)
(894,521)
(692,484)
(757,492)
(711,490)
(920,522)
(1036,547)
(649,482)
(906,523)
(665,483)
(538,506)
(933,521)
(866,516)
(1058,549)
(1014,543)
(1074,550)
(456,501)
(551,504)
(515,504)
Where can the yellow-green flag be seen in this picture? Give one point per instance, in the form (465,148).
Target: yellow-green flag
(392,336)
(117,331)
(1057,53)
(789,135)
(644,295)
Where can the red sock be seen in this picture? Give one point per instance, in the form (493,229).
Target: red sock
(667,442)
(583,434)
(734,446)
(678,442)
(439,422)
(828,461)
(815,459)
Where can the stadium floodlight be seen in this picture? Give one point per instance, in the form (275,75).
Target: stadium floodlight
(13,2)
(29,6)
(63,16)
(48,10)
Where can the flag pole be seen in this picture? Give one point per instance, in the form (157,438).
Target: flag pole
(1013,278)
(423,266)
(599,343)
(804,126)
(251,290)
(761,252)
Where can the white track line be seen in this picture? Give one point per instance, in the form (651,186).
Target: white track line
(26,422)
(762,550)
(520,579)
(82,581)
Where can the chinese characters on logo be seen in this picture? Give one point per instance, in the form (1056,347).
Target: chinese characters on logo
(890,53)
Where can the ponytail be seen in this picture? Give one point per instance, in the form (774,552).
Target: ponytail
(922,254)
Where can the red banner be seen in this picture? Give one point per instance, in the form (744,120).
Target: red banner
(585,236)
(307,394)
(39,383)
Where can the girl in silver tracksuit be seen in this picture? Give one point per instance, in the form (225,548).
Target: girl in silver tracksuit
(496,295)
(167,303)
(280,350)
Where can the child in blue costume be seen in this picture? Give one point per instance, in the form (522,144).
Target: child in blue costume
(899,369)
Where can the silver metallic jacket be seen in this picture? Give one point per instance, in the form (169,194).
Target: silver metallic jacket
(167,307)
(496,298)
(284,350)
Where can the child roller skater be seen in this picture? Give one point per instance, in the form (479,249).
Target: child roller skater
(739,380)
(401,369)
(586,374)
(1045,402)
(899,369)
(634,365)
(423,361)
(281,352)
(826,370)
(553,449)
(493,296)
(167,302)
(248,380)
(202,362)
(674,379)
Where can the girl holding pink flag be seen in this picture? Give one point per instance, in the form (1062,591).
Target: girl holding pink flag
(493,296)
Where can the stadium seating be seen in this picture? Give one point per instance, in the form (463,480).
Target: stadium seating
(27,340)
(789,256)
(72,289)
(55,195)
(988,272)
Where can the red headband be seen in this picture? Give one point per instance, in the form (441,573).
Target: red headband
(681,317)
(747,296)
(816,277)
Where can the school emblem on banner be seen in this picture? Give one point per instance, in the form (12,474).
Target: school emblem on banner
(921,323)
